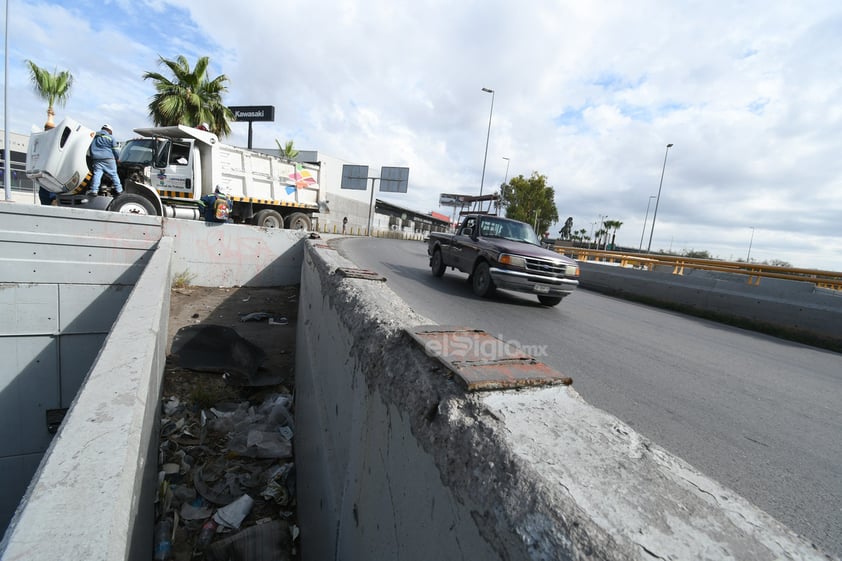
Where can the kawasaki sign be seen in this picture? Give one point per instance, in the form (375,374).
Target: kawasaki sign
(253,112)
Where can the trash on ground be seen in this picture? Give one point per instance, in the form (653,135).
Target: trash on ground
(264,542)
(215,348)
(227,494)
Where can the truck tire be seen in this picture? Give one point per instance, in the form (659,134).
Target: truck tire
(549,300)
(482,284)
(298,221)
(268,218)
(437,263)
(130,203)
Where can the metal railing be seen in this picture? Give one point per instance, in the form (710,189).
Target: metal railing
(753,271)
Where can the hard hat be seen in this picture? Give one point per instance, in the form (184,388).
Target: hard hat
(107,127)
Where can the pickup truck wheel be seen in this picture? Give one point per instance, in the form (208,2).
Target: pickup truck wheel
(130,203)
(268,218)
(298,221)
(437,264)
(549,300)
(482,283)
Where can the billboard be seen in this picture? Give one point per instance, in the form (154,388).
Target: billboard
(253,112)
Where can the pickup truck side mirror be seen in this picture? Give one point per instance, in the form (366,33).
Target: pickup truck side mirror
(468,232)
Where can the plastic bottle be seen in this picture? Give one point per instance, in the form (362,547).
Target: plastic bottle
(163,540)
(206,533)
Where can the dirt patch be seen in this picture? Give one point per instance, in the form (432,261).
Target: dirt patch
(221,440)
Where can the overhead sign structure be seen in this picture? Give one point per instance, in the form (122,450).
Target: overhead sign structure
(394,179)
(354,177)
(253,112)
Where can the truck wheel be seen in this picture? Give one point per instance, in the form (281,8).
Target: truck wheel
(549,300)
(268,218)
(130,203)
(437,264)
(482,283)
(298,221)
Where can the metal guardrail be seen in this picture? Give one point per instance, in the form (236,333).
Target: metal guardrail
(753,271)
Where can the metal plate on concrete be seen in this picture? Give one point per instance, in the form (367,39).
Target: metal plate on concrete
(351,273)
(484,362)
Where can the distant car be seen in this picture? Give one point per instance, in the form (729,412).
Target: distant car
(501,253)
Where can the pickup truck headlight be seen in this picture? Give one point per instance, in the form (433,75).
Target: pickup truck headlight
(512,260)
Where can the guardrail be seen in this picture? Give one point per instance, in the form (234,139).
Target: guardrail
(753,271)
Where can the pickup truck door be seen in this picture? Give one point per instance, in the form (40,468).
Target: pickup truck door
(464,247)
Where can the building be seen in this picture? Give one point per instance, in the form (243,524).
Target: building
(22,188)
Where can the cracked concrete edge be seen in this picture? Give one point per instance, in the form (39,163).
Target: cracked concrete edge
(543,474)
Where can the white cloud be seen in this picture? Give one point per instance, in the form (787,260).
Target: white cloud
(587,94)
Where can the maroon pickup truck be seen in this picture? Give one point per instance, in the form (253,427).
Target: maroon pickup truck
(500,253)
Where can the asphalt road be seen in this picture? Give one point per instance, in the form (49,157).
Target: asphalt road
(758,414)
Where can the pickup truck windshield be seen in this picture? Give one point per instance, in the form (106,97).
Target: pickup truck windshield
(491,227)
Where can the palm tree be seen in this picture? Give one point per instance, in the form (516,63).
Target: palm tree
(612,225)
(51,87)
(286,151)
(190,97)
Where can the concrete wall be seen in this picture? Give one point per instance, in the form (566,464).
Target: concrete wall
(395,461)
(790,306)
(85,304)
(213,254)
(64,276)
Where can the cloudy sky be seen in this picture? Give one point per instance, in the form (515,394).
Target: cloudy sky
(586,93)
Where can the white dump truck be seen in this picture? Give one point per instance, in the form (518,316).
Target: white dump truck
(167,170)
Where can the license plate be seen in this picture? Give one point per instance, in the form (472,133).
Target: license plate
(542,288)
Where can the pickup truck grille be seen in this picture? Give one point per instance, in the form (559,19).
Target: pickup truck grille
(547,267)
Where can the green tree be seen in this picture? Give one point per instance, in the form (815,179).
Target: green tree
(190,97)
(51,87)
(530,200)
(286,151)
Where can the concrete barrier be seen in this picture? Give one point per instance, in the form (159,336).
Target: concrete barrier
(796,309)
(395,461)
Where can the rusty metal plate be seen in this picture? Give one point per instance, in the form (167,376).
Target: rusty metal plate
(323,246)
(484,362)
(366,274)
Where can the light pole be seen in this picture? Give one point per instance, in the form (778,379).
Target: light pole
(487,137)
(658,199)
(750,241)
(506,177)
(644,222)
(7,178)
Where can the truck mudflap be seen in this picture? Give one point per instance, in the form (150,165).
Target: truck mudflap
(531,283)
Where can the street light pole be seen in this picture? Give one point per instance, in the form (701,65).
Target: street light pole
(487,137)
(506,178)
(7,168)
(644,222)
(658,199)
(750,241)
